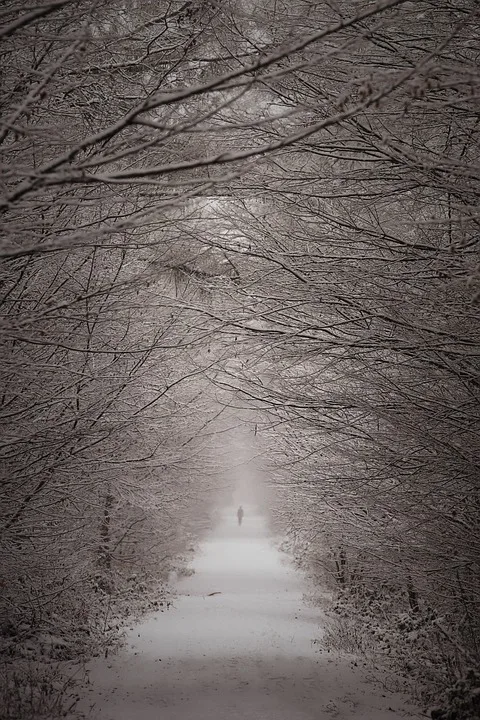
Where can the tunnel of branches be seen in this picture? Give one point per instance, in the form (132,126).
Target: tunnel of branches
(228,230)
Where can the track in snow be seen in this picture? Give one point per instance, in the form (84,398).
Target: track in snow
(243,653)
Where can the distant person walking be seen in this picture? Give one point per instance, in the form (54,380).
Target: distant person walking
(240,515)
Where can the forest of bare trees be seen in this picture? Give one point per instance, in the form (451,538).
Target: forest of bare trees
(218,210)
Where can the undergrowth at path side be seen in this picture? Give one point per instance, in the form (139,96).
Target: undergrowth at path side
(404,640)
(409,649)
(42,659)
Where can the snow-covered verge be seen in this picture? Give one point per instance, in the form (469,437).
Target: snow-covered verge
(40,688)
(402,642)
(413,646)
(42,660)
(51,626)
(408,646)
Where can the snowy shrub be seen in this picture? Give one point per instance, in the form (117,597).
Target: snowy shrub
(461,701)
(423,657)
(31,690)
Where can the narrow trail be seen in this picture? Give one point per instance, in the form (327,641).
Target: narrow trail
(238,644)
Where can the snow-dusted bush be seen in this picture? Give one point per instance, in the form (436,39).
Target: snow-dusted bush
(36,690)
(461,701)
(413,646)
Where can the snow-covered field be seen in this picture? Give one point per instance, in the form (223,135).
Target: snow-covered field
(238,643)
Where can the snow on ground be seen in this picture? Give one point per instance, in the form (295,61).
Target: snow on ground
(238,644)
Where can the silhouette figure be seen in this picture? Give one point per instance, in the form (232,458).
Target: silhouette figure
(240,515)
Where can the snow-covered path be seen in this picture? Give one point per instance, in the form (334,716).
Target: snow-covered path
(244,652)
